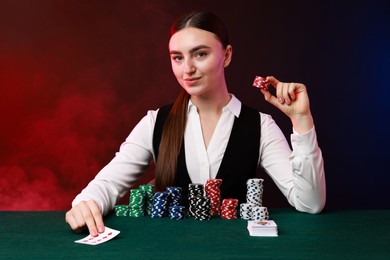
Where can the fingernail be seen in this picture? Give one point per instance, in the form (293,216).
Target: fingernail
(94,233)
(100,229)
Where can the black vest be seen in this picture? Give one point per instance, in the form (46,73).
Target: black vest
(239,162)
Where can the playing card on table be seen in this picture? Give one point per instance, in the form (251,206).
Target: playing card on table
(108,234)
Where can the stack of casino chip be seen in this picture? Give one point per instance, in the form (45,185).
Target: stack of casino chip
(254,200)
(202,208)
(213,190)
(229,208)
(254,193)
(160,205)
(260,213)
(148,191)
(174,196)
(136,205)
(246,211)
(194,190)
(121,210)
(176,212)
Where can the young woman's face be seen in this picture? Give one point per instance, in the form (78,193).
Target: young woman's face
(198,60)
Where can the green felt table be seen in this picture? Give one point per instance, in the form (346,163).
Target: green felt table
(330,235)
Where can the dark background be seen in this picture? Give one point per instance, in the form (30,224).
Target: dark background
(76,76)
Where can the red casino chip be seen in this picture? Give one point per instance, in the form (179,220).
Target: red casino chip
(213,191)
(229,208)
(230,202)
(261,83)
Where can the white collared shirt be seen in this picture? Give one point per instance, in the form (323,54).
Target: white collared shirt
(299,174)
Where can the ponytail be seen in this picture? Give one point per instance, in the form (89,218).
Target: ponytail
(171,142)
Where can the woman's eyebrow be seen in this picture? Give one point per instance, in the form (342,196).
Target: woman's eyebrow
(195,49)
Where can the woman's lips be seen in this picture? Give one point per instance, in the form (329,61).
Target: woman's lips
(192,81)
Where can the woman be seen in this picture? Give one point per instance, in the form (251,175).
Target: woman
(208,133)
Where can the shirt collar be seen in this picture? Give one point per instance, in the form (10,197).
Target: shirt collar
(234,106)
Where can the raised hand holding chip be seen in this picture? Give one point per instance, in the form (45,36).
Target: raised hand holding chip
(293,100)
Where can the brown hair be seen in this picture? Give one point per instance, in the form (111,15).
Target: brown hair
(174,126)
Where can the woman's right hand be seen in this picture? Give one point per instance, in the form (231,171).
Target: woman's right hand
(85,214)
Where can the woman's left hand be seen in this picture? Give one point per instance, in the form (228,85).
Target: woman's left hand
(293,100)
